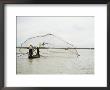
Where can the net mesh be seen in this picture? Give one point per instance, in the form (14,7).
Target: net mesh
(49,45)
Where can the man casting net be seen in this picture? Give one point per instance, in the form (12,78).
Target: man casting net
(48,45)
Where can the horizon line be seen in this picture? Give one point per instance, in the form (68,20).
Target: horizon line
(54,48)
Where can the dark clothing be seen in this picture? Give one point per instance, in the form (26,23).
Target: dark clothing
(38,52)
(30,53)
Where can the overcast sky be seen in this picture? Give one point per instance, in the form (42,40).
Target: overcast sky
(76,30)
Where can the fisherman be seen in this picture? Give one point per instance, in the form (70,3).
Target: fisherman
(30,51)
(38,52)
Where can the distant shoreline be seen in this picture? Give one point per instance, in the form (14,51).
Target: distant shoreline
(54,48)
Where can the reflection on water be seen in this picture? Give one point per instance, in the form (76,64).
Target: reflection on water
(56,64)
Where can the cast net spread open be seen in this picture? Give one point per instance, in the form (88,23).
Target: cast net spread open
(49,45)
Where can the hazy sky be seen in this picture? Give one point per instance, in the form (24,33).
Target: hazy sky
(76,30)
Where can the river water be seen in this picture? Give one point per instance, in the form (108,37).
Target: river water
(84,64)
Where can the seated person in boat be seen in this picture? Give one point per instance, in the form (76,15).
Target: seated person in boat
(31,50)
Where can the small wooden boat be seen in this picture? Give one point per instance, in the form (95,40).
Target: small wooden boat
(34,56)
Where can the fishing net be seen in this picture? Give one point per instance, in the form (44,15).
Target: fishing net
(49,45)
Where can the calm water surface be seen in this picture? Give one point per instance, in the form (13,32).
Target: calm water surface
(57,64)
